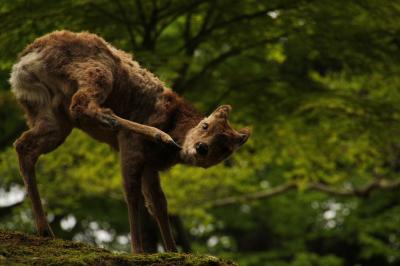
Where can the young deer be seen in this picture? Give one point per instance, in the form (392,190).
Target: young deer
(65,80)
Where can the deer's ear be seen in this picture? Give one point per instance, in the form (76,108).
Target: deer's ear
(222,111)
(242,135)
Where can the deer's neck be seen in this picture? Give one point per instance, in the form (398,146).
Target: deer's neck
(185,118)
(175,116)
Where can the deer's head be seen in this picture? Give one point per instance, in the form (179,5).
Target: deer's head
(212,139)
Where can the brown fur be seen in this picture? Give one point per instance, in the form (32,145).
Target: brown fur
(65,80)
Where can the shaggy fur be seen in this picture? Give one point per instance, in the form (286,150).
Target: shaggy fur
(65,80)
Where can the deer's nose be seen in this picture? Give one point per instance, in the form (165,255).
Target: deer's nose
(201,148)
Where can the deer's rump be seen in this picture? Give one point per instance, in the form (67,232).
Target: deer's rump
(31,82)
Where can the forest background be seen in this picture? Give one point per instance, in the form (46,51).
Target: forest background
(317,183)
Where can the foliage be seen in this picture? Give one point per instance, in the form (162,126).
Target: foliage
(317,80)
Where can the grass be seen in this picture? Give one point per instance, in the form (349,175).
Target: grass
(20,249)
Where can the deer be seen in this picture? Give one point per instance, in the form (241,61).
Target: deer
(65,80)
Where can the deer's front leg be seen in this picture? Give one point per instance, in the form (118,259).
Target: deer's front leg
(95,83)
(157,205)
(132,169)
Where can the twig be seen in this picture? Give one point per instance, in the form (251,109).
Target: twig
(363,192)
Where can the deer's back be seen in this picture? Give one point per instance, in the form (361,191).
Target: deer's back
(55,66)
(51,69)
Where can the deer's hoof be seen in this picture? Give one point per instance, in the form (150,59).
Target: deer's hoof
(174,145)
(166,140)
(46,232)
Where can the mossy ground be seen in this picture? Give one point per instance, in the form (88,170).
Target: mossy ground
(21,249)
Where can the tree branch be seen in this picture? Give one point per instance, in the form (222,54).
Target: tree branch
(105,12)
(189,52)
(207,29)
(253,196)
(141,13)
(229,89)
(215,62)
(362,192)
(169,15)
(127,23)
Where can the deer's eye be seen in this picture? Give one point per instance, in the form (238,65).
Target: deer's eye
(204,126)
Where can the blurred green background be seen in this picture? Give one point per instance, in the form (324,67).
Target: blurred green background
(318,182)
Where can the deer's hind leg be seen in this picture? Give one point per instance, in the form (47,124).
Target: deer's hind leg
(45,135)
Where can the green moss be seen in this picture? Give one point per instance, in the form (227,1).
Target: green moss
(20,249)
